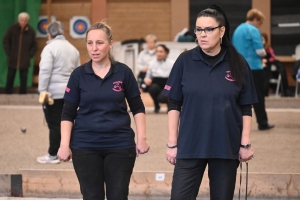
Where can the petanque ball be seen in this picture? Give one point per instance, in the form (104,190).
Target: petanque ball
(23,129)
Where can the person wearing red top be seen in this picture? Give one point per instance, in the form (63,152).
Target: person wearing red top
(267,62)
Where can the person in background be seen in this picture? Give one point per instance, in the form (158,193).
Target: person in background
(267,63)
(157,75)
(58,59)
(210,91)
(99,134)
(143,59)
(184,36)
(20,45)
(247,40)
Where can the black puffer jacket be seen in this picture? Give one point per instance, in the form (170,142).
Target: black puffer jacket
(19,46)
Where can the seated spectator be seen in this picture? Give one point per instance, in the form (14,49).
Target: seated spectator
(268,61)
(143,59)
(157,75)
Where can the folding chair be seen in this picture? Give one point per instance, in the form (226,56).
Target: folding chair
(276,81)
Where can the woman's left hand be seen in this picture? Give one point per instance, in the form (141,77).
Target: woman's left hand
(245,154)
(142,146)
(148,81)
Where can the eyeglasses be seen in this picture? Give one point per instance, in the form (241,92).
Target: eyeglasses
(207,30)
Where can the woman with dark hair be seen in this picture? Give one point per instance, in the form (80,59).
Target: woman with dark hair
(210,91)
(157,75)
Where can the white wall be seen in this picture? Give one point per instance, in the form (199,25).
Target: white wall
(128,53)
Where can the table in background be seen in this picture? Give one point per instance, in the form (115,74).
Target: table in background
(288,62)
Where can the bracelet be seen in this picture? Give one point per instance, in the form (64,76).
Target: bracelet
(172,147)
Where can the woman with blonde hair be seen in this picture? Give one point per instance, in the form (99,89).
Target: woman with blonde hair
(144,58)
(99,132)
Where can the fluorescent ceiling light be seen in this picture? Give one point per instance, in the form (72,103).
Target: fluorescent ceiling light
(289,24)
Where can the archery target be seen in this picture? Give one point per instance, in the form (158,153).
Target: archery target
(42,26)
(78,26)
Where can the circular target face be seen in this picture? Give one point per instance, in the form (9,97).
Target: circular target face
(80,26)
(42,26)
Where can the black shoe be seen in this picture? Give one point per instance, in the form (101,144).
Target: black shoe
(157,108)
(265,127)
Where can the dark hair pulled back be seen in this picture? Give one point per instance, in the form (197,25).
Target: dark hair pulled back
(235,62)
(166,49)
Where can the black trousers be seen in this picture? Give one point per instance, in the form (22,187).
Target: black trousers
(96,167)
(280,69)
(267,77)
(155,92)
(188,175)
(53,118)
(259,108)
(141,83)
(9,88)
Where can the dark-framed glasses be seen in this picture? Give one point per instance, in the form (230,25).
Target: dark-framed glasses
(206,30)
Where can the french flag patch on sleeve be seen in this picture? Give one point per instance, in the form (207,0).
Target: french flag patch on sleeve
(167,87)
(68,89)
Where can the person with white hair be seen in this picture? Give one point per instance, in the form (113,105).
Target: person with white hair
(144,58)
(20,45)
(58,59)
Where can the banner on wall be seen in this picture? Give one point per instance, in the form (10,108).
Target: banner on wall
(42,25)
(78,26)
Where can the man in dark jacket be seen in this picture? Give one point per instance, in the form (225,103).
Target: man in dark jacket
(20,46)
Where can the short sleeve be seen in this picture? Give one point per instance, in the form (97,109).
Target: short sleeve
(256,39)
(248,93)
(72,91)
(173,87)
(131,88)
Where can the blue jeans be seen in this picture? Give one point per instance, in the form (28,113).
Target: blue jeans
(96,167)
(188,175)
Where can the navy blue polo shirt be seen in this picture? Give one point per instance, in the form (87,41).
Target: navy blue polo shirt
(211,117)
(102,120)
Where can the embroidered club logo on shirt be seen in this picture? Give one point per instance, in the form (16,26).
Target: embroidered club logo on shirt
(117,86)
(229,76)
(68,89)
(167,87)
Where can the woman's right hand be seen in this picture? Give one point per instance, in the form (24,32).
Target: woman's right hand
(171,155)
(64,153)
(264,62)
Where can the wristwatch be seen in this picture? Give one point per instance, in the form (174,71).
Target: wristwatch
(246,146)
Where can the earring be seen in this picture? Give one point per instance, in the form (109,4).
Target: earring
(196,41)
(221,40)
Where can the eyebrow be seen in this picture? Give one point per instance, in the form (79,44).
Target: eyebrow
(205,27)
(95,41)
